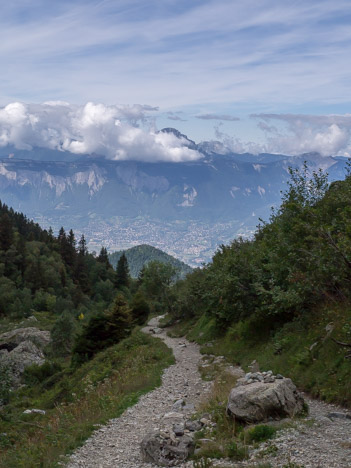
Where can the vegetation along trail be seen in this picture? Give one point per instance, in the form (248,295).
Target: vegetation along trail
(118,443)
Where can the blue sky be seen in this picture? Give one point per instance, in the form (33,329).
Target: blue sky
(224,60)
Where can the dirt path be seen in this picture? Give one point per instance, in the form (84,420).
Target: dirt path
(118,443)
(320,441)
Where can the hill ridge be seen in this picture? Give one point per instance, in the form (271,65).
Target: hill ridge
(140,255)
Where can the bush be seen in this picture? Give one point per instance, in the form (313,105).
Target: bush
(260,433)
(140,308)
(102,331)
(35,374)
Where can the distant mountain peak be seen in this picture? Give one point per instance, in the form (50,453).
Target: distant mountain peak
(179,135)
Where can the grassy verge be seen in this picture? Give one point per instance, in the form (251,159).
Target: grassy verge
(78,401)
(301,349)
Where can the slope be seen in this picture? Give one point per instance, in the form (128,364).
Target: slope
(141,255)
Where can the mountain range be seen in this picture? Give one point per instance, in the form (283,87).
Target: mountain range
(186,209)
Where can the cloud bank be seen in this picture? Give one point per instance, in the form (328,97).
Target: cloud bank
(229,118)
(298,133)
(115,132)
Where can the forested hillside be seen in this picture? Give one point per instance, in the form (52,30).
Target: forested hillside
(70,345)
(41,272)
(283,298)
(140,255)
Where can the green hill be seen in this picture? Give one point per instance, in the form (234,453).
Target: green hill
(140,255)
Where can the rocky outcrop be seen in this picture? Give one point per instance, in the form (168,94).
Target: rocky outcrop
(262,396)
(167,448)
(21,348)
(174,442)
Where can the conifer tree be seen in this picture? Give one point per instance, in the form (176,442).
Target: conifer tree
(82,246)
(122,272)
(103,257)
(6,234)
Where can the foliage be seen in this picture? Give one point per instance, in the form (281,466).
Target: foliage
(36,374)
(155,283)
(260,433)
(103,330)
(140,308)
(122,272)
(42,272)
(302,257)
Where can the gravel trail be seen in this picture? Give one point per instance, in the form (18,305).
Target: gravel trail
(118,443)
(323,440)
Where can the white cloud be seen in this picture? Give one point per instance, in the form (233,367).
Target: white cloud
(229,118)
(297,133)
(111,131)
(236,145)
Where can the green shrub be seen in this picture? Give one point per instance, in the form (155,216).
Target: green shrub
(102,331)
(260,433)
(36,374)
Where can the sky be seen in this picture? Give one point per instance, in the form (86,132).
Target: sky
(104,76)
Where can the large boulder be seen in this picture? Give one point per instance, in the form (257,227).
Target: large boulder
(262,397)
(41,338)
(164,448)
(21,348)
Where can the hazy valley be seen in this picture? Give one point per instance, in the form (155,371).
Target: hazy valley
(187,209)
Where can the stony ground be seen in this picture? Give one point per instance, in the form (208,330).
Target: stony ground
(323,440)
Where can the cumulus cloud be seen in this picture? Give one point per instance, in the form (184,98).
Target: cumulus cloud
(115,132)
(236,145)
(298,133)
(229,118)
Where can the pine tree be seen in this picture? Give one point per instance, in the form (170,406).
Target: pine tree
(6,234)
(122,272)
(103,257)
(82,246)
(119,319)
(81,269)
